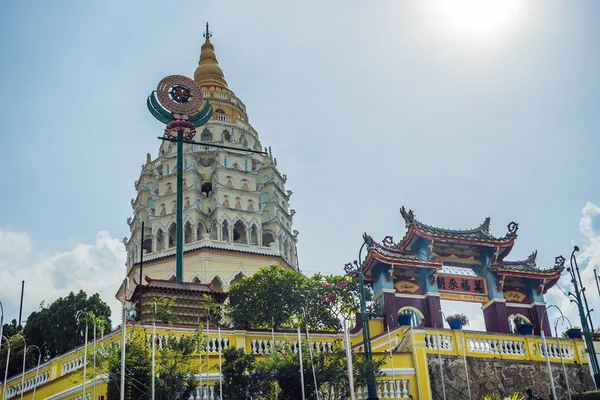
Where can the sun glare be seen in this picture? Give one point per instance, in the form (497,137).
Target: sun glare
(477,16)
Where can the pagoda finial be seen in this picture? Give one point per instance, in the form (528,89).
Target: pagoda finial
(208,72)
(208,33)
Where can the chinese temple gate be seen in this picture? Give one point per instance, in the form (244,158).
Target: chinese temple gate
(431,264)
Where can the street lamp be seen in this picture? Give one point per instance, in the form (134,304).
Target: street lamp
(579,298)
(311,353)
(24,355)
(37,370)
(543,335)
(562,318)
(77,316)
(297,322)
(437,338)
(6,368)
(355,269)
(1,323)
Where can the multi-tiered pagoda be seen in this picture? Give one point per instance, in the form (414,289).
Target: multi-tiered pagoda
(236,215)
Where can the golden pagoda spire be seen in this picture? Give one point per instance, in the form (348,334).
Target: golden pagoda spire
(208,71)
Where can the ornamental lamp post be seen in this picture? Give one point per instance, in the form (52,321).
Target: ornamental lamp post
(297,322)
(37,370)
(578,297)
(354,269)
(78,315)
(562,319)
(545,346)
(1,323)
(6,368)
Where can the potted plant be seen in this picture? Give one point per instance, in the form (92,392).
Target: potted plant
(524,327)
(574,332)
(405,317)
(457,321)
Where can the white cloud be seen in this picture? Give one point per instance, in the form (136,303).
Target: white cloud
(94,268)
(588,259)
(13,243)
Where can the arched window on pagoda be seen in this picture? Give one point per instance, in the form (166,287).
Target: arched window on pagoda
(239,232)
(254,235)
(214,231)
(416,316)
(200,230)
(160,240)
(187,232)
(172,235)
(216,284)
(267,238)
(225,231)
(147,245)
(237,278)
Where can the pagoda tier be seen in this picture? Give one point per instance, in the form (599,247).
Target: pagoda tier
(431,264)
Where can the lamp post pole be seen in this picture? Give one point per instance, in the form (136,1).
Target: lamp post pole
(349,359)
(37,369)
(300,357)
(78,315)
(24,359)
(562,361)
(545,344)
(437,338)
(6,368)
(1,323)
(357,270)
(579,290)
(311,354)
(153,352)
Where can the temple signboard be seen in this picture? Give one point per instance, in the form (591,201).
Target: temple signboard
(462,288)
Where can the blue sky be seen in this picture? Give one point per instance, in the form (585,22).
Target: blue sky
(366,107)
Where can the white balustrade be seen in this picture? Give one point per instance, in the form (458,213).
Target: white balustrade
(212,343)
(445,342)
(28,385)
(388,389)
(264,346)
(72,365)
(496,346)
(554,351)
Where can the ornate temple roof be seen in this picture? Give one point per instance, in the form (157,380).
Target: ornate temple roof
(527,266)
(208,71)
(481,233)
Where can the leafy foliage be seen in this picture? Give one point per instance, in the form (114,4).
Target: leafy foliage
(55,329)
(330,372)
(240,379)
(593,395)
(274,296)
(174,367)
(458,317)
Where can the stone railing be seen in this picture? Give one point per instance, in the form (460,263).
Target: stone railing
(72,365)
(398,389)
(28,385)
(554,351)
(515,346)
(445,341)
(496,346)
(264,346)
(213,343)
(386,390)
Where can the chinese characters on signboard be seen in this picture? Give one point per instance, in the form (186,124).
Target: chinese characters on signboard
(464,288)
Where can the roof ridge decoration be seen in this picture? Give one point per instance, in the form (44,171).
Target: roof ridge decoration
(529,261)
(483,229)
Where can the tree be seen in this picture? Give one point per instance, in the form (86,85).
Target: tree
(268,298)
(274,296)
(240,379)
(55,329)
(330,371)
(175,366)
